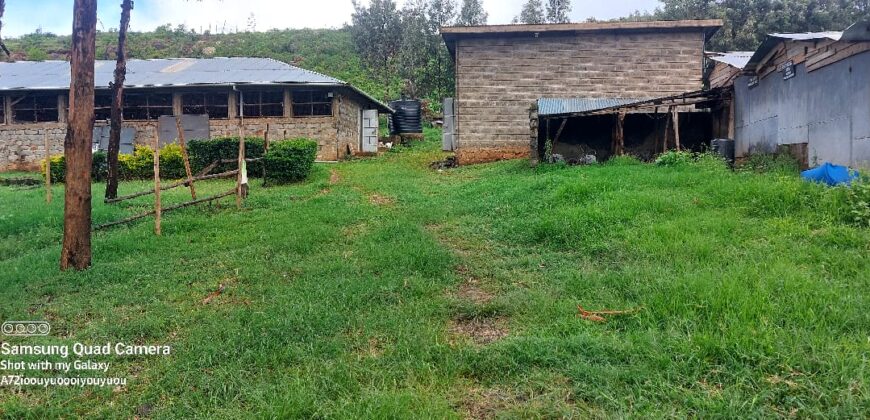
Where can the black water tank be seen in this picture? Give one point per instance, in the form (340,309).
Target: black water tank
(408,118)
(725,148)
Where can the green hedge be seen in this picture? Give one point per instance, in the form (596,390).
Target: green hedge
(290,160)
(204,152)
(138,165)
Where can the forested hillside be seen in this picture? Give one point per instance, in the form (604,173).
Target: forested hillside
(329,51)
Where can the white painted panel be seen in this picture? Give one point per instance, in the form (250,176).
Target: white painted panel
(370,131)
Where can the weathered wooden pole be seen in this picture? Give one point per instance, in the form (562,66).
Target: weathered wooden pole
(667,128)
(76,249)
(676,116)
(185,156)
(157,204)
(241,162)
(47,170)
(620,133)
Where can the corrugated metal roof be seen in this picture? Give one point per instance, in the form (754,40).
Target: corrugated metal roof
(170,72)
(561,106)
(810,36)
(773,40)
(162,72)
(736,59)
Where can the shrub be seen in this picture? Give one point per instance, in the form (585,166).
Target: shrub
(58,168)
(290,160)
(139,165)
(204,152)
(781,163)
(171,162)
(674,158)
(99,167)
(624,160)
(859,204)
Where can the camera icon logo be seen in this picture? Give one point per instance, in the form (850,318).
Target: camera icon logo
(25,328)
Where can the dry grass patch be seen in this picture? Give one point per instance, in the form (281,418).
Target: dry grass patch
(470,289)
(334,177)
(381,200)
(479,331)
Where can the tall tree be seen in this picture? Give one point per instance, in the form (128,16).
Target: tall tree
(118,101)
(558,11)
(3,45)
(377,31)
(441,13)
(472,13)
(76,251)
(416,47)
(747,22)
(532,13)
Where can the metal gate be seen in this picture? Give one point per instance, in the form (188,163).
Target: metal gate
(370,131)
(449,136)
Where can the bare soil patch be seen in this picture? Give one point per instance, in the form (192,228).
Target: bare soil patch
(480,331)
(381,200)
(334,177)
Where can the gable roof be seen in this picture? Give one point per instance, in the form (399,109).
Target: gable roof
(856,33)
(453,33)
(171,72)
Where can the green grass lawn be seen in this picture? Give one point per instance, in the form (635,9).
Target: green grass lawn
(381,288)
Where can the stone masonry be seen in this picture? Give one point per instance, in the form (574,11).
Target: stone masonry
(22,146)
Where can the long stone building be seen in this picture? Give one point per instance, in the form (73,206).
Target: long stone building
(502,71)
(272,96)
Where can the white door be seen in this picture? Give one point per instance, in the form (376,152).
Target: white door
(370,131)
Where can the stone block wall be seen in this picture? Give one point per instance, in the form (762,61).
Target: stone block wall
(22,145)
(498,80)
(349,126)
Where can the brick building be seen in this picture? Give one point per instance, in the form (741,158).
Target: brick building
(287,101)
(502,71)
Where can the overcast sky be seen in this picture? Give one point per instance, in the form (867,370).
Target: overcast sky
(55,16)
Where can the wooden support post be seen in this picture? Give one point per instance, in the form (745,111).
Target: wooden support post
(157,204)
(667,128)
(731,126)
(240,162)
(47,169)
(266,150)
(559,132)
(185,156)
(620,133)
(676,117)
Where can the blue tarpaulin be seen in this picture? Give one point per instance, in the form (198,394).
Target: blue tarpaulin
(832,175)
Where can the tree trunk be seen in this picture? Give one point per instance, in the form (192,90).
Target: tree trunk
(118,102)
(3,45)
(76,252)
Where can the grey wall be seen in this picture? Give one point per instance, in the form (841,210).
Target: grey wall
(829,109)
